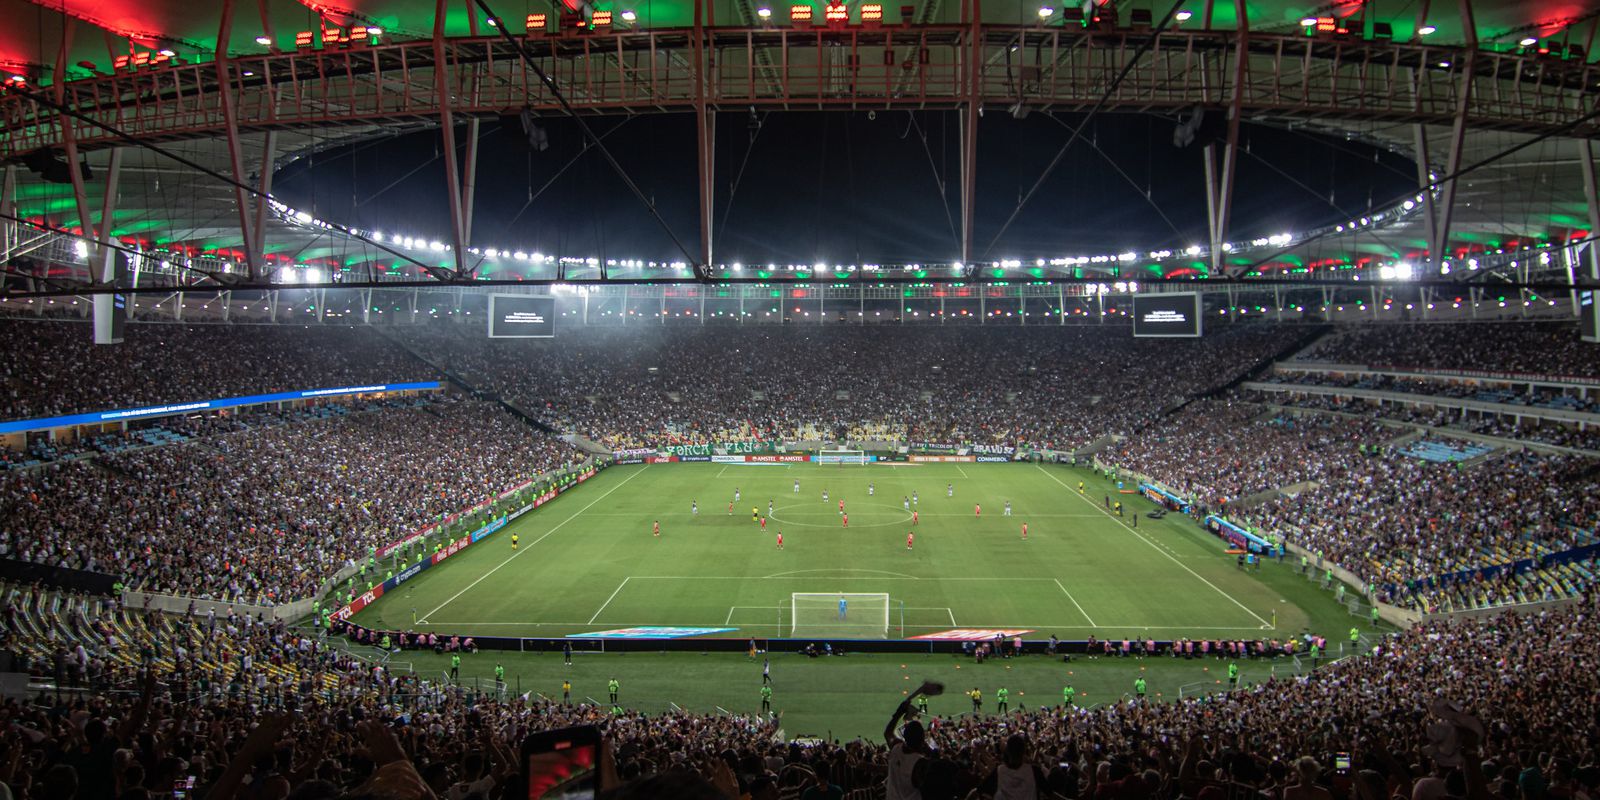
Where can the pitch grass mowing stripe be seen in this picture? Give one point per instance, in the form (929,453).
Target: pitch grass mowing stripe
(1157,548)
(559,526)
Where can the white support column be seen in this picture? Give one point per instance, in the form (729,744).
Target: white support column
(1591,194)
(1458,133)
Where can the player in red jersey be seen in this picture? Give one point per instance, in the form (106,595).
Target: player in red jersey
(780,540)
(910,537)
(730,509)
(657,531)
(913,518)
(1024,530)
(841,505)
(977,510)
(847,520)
(764,523)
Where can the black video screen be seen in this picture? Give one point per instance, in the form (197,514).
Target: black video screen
(1166,314)
(514,316)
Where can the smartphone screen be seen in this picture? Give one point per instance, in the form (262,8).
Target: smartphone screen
(566,772)
(1341,763)
(182,788)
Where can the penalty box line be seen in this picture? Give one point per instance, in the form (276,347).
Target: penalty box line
(1153,545)
(945,609)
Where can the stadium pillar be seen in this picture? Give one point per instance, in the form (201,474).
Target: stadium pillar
(705,135)
(269,150)
(1592,195)
(69,138)
(861,304)
(1022,308)
(702,305)
(1061,304)
(1430,213)
(469,178)
(447,129)
(322,304)
(230,121)
(969,126)
(1458,133)
(624,304)
(1219,187)
(983,305)
(102,233)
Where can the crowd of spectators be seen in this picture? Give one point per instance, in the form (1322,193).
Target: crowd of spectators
(265,512)
(1399,523)
(1050,387)
(1528,429)
(1550,349)
(51,368)
(1215,451)
(1499,708)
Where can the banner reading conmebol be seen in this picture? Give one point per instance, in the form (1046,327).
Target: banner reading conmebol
(127,414)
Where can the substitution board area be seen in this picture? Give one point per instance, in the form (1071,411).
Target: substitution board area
(589,563)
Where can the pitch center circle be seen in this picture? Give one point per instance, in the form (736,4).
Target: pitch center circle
(830,511)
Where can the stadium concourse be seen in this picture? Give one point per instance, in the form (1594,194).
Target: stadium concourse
(266,506)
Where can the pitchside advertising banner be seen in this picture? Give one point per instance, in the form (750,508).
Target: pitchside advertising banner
(127,414)
(455,546)
(1167,315)
(520,316)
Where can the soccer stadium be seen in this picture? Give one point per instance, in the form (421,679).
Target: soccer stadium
(1115,400)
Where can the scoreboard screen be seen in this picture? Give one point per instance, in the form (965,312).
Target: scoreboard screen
(520,316)
(1168,315)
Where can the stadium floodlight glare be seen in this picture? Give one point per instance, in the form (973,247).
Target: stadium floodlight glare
(1308,22)
(1045,12)
(1426,30)
(168,52)
(1404,271)
(263,40)
(373,30)
(81,247)
(1529,41)
(629,15)
(1183,16)
(313,275)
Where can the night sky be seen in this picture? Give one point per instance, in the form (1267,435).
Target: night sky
(844,188)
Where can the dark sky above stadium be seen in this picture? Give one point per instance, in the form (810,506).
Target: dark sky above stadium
(846,188)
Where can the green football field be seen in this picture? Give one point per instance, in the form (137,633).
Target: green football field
(588,562)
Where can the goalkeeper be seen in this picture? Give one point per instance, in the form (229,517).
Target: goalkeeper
(908,750)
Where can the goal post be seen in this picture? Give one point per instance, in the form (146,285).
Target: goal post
(839,615)
(842,457)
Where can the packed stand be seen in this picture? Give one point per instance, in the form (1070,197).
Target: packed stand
(1407,525)
(54,368)
(1050,387)
(1491,709)
(266,514)
(1551,349)
(1220,450)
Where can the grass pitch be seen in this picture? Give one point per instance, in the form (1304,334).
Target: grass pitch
(589,562)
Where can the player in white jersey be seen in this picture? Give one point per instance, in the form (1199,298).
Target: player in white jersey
(735,494)
(797,486)
(1008,508)
(694,507)
(949,490)
(871,489)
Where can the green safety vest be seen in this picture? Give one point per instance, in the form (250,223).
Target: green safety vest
(455,660)
(612,686)
(1002,695)
(499,673)
(1069,693)
(1138,685)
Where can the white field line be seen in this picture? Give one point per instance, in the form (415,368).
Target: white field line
(1075,602)
(546,535)
(1153,545)
(608,600)
(962,471)
(940,626)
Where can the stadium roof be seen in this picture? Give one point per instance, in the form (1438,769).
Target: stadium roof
(1531,195)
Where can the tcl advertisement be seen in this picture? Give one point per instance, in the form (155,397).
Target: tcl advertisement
(1166,315)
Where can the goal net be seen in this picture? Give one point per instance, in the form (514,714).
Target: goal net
(841,615)
(841,457)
